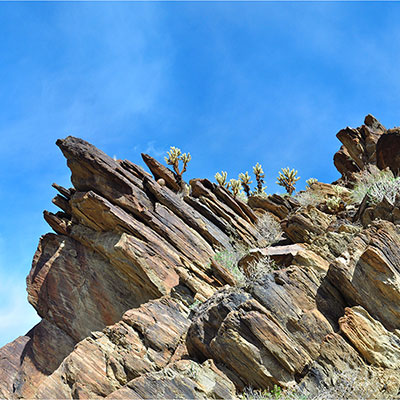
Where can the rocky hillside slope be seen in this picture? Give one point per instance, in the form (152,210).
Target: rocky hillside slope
(135,304)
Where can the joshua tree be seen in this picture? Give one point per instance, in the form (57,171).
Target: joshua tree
(221,179)
(245,180)
(259,173)
(235,186)
(174,156)
(288,178)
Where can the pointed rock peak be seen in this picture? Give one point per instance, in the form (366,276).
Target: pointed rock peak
(159,171)
(373,123)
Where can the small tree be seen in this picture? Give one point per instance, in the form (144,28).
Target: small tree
(174,156)
(288,178)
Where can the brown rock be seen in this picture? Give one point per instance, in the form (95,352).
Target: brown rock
(367,273)
(183,379)
(144,341)
(76,288)
(10,362)
(277,205)
(271,334)
(359,146)
(159,171)
(388,151)
(377,345)
(344,163)
(306,224)
(282,255)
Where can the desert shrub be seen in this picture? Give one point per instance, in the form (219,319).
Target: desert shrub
(229,259)
(269,228)
(308,198)
(257,269)
(354,384)
(254,270)
(275,394)
(377,185)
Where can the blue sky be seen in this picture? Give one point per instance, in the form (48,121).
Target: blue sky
(232,83)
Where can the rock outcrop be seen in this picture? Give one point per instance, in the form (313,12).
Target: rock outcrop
(135,304)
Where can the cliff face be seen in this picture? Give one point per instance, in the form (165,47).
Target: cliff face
(134,305)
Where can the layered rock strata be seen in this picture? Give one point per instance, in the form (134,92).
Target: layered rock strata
(135,305)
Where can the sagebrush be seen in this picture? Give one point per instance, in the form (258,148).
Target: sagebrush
(377,185)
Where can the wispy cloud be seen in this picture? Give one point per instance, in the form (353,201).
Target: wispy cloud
(154,150)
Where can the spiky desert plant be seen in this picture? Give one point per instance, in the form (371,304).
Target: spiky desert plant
(246,182)
(235,186)
(174,156)
(310,182)
(259,173)
(288,178)
(221,179)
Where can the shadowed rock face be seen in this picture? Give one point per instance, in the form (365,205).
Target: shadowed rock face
(118,282)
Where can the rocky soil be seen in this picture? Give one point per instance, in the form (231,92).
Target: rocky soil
(134,304)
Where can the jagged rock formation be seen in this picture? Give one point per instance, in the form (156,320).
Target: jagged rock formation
(117,285)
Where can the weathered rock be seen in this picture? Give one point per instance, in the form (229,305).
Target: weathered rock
(378,346)
(368,273)
(77,289)
(270,334)
(132,257)
(306,224)
(144,341)
(277,205)
(344,163)
(361,142)
(10,362)
(184,379)
(281,255)
(159,171)
(383,210)
(134,169)
(284,256)
(335,357)
(27,361)
(388,151)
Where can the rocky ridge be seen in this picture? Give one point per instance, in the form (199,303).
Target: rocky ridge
(134,304)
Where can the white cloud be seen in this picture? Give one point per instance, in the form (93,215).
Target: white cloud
(153,150)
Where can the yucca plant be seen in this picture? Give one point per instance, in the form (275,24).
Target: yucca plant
(288,178)
(245,181)
(221,179)
(174,156)
(259,173)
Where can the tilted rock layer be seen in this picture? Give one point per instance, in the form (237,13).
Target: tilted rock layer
(119,285)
